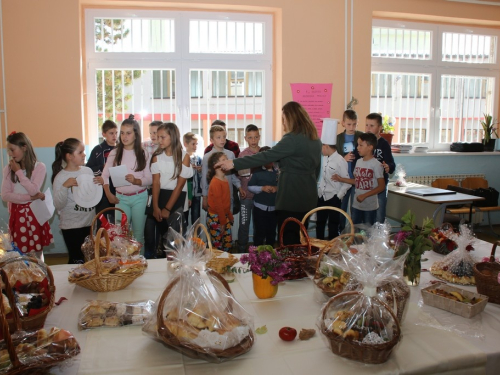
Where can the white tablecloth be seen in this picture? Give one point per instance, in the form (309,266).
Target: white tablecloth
(126,350)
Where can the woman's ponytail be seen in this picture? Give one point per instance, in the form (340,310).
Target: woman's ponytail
(69,146)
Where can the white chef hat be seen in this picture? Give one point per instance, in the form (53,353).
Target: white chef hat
(329,131)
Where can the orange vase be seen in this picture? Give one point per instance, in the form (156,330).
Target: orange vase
(263,288)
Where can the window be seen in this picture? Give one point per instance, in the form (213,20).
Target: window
(187,67)
(437,81)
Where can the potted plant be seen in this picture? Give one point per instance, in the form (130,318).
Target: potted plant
(417,239)
(488,125)
(268,269)
(388,128)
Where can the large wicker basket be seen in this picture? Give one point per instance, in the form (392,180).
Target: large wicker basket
(323,243)
(100,282)
(190,349)
(302,258)
(29,322)
(88,246)
(217,263)
(41,366)
(486,275)
(356,350)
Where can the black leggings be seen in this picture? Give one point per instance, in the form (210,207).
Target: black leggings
(291,234)
(74,238)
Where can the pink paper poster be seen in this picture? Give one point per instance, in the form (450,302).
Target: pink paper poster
(315,98)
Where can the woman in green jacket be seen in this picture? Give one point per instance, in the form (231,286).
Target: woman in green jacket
(299,157)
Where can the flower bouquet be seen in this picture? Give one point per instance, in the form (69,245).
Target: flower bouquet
(417,239)
(268,268)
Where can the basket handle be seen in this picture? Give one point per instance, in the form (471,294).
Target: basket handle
(100,233)
(302,229)
(343,294)
(160,324)
(5,325)
(328,246)
(331,208)
(493,250)
(204,229)
(96,217)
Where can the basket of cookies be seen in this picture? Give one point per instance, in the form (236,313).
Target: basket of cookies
(36,351)
(458,266)
(360,327)
(302,258)
(108,273)
(196,314)
(121,243)
(359,324)
(29,289)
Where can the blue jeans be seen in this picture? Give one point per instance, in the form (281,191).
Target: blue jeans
(195,209)
(134,207)
(345,206)
(363,217)
(382,203)
(245,219)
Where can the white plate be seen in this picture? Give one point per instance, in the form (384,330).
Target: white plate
(87,194)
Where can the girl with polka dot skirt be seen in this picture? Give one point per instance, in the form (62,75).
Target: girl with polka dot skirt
(132,199)
(74,220)
(22,180)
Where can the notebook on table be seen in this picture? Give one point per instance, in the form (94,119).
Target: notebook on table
(426,192)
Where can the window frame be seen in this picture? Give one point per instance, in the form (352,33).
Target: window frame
(181,60)
(436,68)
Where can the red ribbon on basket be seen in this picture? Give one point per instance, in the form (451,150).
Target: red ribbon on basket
(112,229)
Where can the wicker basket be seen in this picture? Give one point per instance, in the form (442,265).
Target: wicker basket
(302,258)
(486,275)
(216,263)
(333,249)
(33,367)
(29,322)
(356,350)
(88,246)
(192,350)
(109,282)
(323,243)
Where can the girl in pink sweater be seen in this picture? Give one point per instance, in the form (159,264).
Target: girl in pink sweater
(131,198)
(22,180)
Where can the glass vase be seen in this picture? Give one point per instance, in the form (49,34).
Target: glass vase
(411,271)
(263,288)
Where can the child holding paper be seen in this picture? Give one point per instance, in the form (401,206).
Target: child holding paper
(22,180)
(130,197)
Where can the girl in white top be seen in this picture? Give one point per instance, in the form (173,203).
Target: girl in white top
(74,220)
(171,168)
(22,180)
(131,199)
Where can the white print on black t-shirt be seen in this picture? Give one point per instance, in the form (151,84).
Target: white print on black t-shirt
(364,178)
(378,155)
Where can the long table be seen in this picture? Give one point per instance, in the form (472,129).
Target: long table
(399,202)
(422,349)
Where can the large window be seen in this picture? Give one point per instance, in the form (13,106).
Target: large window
(437,81)
(187,67)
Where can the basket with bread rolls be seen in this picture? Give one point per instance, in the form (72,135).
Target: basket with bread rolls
(197,315)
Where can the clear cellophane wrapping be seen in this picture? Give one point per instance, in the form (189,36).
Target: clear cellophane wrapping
(458,266)
(359,322)
(96,313)
(197,314)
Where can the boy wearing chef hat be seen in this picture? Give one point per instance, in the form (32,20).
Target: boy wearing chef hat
(330,193)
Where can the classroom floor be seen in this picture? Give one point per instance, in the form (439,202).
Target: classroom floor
(484,234)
